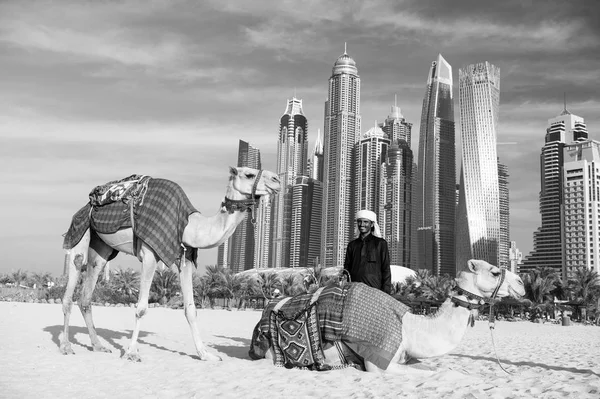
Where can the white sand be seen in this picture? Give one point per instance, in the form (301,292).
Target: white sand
(548,361)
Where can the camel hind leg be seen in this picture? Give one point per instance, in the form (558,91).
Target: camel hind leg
(99,253)
(77,259)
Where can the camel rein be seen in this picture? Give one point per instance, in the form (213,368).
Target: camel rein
(244,205)
(480,302)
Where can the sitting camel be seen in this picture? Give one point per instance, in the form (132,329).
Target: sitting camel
(92,252)
(374,331)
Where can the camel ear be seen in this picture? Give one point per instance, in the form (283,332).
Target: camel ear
(473,265)
(233,171)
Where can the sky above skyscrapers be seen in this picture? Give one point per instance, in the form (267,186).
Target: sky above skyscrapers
(95,91)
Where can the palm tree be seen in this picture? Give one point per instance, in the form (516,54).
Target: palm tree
(125,283)
(291,285)
(584,287)
(41,279)
(5,279)
(410,288)
(539,283)
(268,283)
(438,287)
(165,285)
(18,277)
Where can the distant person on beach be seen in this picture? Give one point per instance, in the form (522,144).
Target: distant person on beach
(367,257)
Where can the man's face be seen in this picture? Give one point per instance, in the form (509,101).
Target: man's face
(364,225)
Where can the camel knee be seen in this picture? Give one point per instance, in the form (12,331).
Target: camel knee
(85,306)
(190,312)
(140,311)
(67,305)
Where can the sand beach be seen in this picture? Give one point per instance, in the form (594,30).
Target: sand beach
(546,361)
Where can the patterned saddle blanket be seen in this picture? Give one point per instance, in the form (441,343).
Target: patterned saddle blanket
(364,323)
(160,211)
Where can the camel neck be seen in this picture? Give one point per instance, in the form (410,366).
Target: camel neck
(437,334)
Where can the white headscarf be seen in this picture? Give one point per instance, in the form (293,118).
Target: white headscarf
(369,215)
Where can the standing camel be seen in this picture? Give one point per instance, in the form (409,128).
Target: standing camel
(94,249)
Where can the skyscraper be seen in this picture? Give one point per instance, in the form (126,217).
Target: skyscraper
(548,240)
(316,166)
(292,153)
(436,179)
(341,132)
(396,203)
(240,248)
(370,152)
(307,207)
(504,201)
(478,215)
(262,233)
(581,185)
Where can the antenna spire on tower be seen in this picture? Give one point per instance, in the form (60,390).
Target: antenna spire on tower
(345,48)
(565,99)
(395,100)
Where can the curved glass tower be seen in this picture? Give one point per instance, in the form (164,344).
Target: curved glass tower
(436,174)
(478,223)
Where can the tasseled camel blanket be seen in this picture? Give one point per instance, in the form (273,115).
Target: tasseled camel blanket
(160,212)
(365,319)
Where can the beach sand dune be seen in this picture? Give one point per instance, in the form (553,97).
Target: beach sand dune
(547,361)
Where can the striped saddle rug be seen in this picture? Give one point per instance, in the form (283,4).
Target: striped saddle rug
(160,211)
(363,323)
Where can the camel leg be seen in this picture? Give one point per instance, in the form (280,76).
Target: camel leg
(78,258)
(187,291)
(149,264)
(99,253)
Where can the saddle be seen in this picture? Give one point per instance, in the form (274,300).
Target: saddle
(132,188)
(296,338)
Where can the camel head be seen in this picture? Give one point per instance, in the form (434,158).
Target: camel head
(482,279)
(243,180)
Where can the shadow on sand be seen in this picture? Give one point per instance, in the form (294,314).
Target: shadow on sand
(239,352)
(531,364)
(111,337)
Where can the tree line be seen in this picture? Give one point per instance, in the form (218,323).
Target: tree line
(542,285)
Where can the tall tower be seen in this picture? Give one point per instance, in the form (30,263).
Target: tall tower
(581,185)
(341,132)
(370,152)
(292,153)
(504,201)
(240,248)
(307,207)
(396,191)
(478,215)
(548,240)
(436,177)
(263,234)
(316,171)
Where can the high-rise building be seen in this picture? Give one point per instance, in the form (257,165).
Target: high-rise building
(581,185)
(515,258)
(436,179)
(262,233)
(307,207)
(478,213)
(316,165)
(504,203)
(292,153)
(548,239)
(238,253)
(370,152)
(341,132)
(395,217)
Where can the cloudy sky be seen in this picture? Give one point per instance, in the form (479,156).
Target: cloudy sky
(95,91)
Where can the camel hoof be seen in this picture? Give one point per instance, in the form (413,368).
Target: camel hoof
(66,349)
(209,357)
(101,348)
(132,357)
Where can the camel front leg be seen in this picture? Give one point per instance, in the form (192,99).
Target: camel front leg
(98,257)
(149,264)
(77,258)
(187,291)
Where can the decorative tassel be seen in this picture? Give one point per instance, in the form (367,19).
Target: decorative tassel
(471,321)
